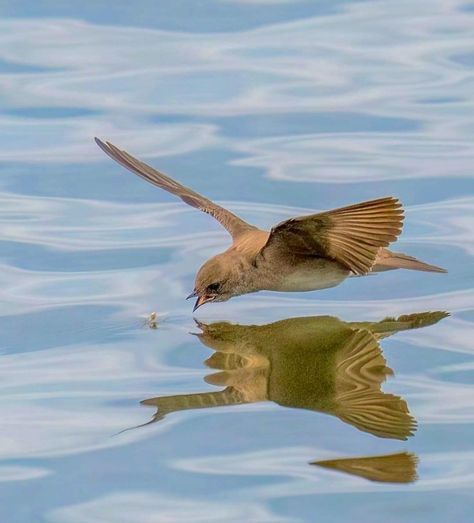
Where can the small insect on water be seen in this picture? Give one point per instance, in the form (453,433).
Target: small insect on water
(152,321)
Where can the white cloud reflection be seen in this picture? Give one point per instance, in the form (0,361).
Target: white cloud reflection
(376,61)
(20,473)
(443,471)
(151,507)
(384,80)
(62,402)
(66,140)
(79,224)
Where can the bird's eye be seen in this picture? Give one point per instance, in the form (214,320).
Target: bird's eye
(213,287)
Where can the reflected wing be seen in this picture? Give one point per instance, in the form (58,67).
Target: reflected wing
(169,404)
(234,225)
(391,468)
(351,235)
(360,371)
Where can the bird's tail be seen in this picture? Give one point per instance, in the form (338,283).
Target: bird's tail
(387,260)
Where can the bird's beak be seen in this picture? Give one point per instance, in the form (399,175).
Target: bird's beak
(192,295)
(202,300)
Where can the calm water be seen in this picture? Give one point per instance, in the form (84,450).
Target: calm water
(273,107)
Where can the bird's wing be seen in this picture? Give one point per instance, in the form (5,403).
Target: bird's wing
(234,225)
(350,235)
(201,400)
(360,372)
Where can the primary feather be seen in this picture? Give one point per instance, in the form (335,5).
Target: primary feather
(232,223)
(350,235)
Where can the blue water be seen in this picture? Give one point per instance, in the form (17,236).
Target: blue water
(274,108)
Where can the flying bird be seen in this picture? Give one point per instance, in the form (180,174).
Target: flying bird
(304,253)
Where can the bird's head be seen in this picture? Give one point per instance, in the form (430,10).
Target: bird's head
(214,282)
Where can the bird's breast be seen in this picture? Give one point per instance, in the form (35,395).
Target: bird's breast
(306,275)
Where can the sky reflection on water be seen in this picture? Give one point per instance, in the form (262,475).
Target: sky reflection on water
(275,108)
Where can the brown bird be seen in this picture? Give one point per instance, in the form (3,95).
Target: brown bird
(304,253)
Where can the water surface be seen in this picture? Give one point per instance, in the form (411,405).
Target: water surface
(272,407)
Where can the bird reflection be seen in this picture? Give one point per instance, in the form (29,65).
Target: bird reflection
(316,363)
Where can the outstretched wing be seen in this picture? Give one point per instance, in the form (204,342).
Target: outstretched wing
(360,372)
(234,225)
(350,235)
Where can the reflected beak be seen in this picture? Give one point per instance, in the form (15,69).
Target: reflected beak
(202,300)
(192,295)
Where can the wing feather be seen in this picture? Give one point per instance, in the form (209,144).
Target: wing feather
(350,235)
(360,371)
(232,223)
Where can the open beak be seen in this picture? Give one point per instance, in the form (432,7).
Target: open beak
(202,300)
(192,295)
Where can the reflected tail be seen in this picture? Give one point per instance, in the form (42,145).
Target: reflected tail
(391,468)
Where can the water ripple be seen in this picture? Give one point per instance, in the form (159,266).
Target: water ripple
(325,106)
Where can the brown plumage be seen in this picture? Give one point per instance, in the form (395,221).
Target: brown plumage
(351,235)
(300,254)
(317,363)
(389,468)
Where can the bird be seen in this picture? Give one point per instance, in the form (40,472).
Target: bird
(316,363)
(304,253)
